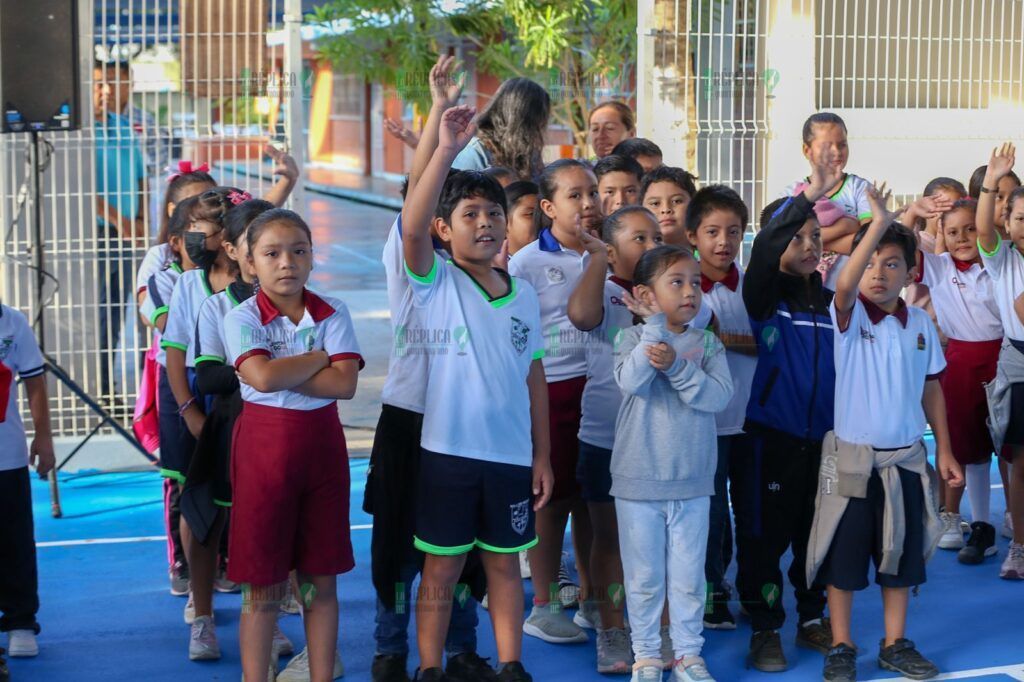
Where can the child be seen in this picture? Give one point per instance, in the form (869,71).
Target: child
(296,355)
(666,191)
(19,590)
(610,122)
(485,428)
(942,192)
(789,412)
(552,265)
(1007,184)
(674,378)
(641,150)
(521,197)
(618,182)
(716,219)
(1005,265)
(962,294)
(874,469)
(504,176)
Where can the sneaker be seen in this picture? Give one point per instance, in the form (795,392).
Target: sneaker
(691,669)
(717,615)
(297,669)
(282,646)
(815,634)
(179,579)
(513,671)
(202,643)
(388,668)
(190,610)
(588,617)
(904,659)
(1012,568)
(1007,530)
(469,667)
(5,674)
(668,654)
(766,652)
(568,590)
(553,626)
(980,544)
(222,584)
(952,535)
(646,671)
(840,664)
(524,565)
(614,654)
(431,675)
(22,644)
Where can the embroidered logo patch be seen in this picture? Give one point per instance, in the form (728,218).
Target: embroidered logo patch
(5,347)
(519,335)
(554,274)
(921,345)
(866,335)
(520,516)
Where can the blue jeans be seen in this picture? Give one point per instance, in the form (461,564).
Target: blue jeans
(392,631)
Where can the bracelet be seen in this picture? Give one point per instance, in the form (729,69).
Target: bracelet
(986,190)
(183,408)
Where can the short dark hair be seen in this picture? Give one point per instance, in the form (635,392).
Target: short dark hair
(515,191)
(938,183)
(613,223)
(616,163)
(501,172)
(177,183)
(1016,194)
(403,188)
(637,146)
(178,222)
(275,215)
(820,119)
(467,184)
(714,198)
(768,211)
(964,202)
(897,234)
(681,178)
(978,179)
(658,260)
(237,219)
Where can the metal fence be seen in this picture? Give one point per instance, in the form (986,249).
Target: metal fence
(210,81)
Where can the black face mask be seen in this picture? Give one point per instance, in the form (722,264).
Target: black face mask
(195,247)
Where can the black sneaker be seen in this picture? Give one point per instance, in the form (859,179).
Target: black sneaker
(904,659)
(840,664)
(816,635)
(469,667)
(5,674)
(431,675)
(389,668)
(513,671)
(766,652)
(980,544)
(717,615)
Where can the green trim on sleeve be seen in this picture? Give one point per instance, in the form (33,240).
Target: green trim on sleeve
(221,503)
(210,358)
(440,551)
(993,252)
(176,267)
(172,474)
(864,216)
(539,354)
(165,344)
(158,313)
(507,550)
(424,279)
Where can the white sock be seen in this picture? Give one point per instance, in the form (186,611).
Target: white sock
(978,490)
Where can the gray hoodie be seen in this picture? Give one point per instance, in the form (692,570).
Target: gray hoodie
(665,436)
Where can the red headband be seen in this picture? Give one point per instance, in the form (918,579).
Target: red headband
(185,168)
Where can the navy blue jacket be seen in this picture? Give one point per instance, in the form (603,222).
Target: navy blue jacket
(794,383)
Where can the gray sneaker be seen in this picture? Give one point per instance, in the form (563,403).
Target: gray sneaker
(691,669)
(614,654)
(588,616)
(298,668)
(553,626)
(202,644)
(646,673)
(668,654)
(1013,565)
(190,610)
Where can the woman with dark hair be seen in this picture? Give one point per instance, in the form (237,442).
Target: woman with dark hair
(510,130)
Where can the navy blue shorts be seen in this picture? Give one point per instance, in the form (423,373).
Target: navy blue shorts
(1015,430)
(177,445)
(594,473)
(463,503)
(858,539)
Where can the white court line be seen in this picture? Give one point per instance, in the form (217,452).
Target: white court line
(141,538)
(1015,672)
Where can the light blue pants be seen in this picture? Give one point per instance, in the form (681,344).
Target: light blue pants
(663,544)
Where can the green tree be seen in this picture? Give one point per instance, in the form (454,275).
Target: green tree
(580,50)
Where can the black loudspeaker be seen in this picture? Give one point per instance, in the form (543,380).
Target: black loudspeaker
(39,84)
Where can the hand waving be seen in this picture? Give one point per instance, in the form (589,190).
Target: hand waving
(445,90)
(457,128)
(1002,160)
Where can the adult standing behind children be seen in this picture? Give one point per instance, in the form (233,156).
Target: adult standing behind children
(610,122)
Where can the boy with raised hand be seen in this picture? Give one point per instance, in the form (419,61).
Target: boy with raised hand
(876,499)
(485,463)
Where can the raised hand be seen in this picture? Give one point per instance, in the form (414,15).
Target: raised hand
(399,131)
(878,198)
(457,128)
(284,164)
(445,91)
(825,174)
(641,305)
(931,207)
(1001,161)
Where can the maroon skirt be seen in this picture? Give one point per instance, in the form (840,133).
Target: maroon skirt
(969,365)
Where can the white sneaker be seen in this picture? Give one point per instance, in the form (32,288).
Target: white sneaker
(668,654)
(646,673)
(282,646)
(588,616)
(202,643)
(1007,525)
(190,610)
(1013,564)
(298,668)
(553,626)
(691,669)
(22,644)
(952,533)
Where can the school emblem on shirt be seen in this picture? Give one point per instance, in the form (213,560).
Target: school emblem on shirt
(461,335)
(770,336)
(866,335)
(5,347)
(520,515)
(554,274)
(519,335)
(921,345)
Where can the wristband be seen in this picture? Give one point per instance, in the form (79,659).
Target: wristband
(986,190)
(183,408)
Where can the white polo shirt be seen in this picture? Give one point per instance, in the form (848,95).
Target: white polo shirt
(210,344)
(882,362)
(411,343)
(478,403)
(1005,265)
(553,272)
(963,296)
(256,327)
(156,259)
(20,354)
(725,299)
(159,291)
(192,289)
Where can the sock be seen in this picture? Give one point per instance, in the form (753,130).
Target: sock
(978,491)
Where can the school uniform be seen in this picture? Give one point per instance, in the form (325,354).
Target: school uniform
(156,259)
(791,407)
(19,584)
(553,271)
(963,296)
(475,483)
(877,499)
(289,461)
(1005,264)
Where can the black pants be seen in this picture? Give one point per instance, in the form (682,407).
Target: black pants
(19,582)
(774,481)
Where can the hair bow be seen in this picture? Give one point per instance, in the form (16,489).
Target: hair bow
(238,197)
(185,168)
